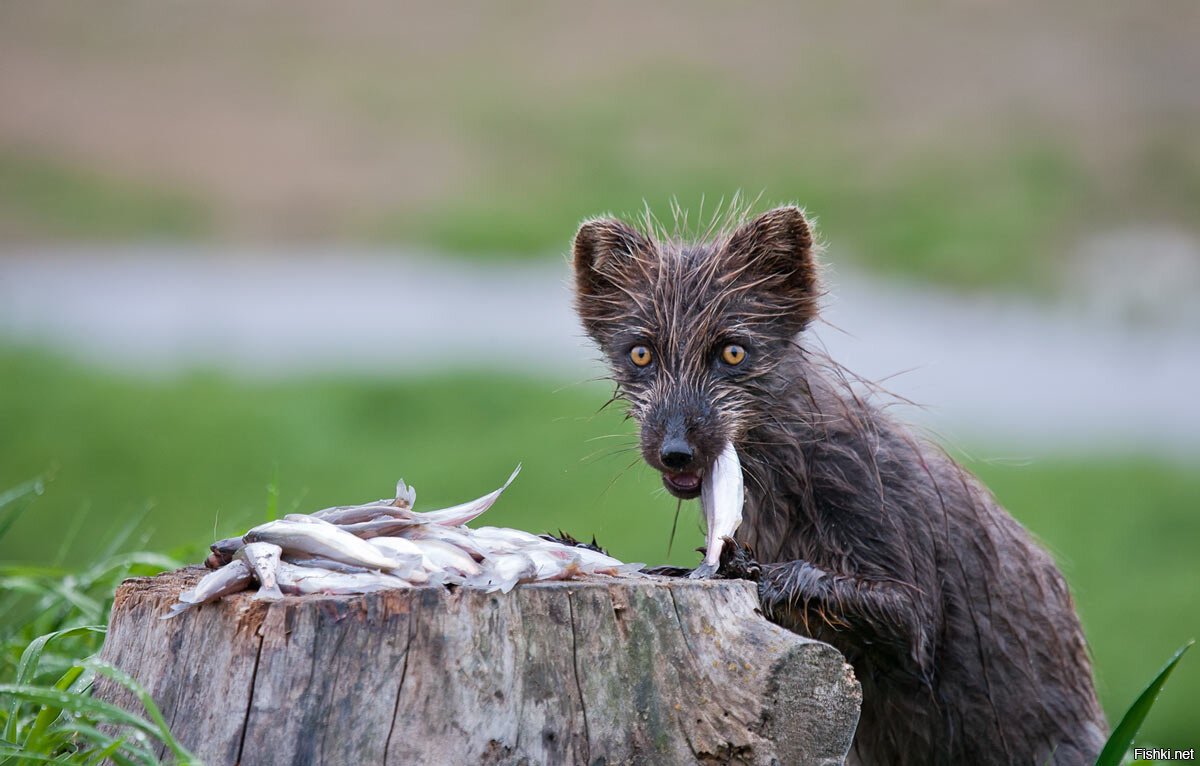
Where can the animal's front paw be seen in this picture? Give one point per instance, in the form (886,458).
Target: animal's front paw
(738,562)
(667,571)
(783,585)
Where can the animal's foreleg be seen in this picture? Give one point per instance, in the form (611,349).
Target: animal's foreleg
(810,599)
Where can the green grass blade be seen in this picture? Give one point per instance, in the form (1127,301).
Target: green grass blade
(20,754)
(28,666)
(101,755)
(123,534)
(19,498)
(31,487)
(1122,736)
(127,562)
(31,570)
(77,703)
(132,752)
(273,496)
(163,731)
(33,653)
(54,592)
(69,536)
(49,713)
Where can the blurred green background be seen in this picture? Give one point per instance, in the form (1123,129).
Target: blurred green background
(979,150)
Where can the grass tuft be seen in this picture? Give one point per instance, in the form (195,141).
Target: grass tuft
(52,622)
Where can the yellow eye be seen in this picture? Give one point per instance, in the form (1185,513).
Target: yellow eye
(733,354)
(640,355)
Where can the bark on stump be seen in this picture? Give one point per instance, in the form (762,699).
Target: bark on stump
(602,671)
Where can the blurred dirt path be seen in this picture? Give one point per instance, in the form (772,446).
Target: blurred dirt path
(999,371)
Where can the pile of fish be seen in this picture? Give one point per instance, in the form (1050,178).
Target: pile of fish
(385,545)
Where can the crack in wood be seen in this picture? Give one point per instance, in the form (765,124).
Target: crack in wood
(412,613)
(696,657)
(250,697)
(587,736)
(337,674)
(522,652)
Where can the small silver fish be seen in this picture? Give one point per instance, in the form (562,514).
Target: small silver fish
(553,563)
(231,578)
(263,560)
(498,540)
(305,560)
(722,497)
(461,537)
(444,555)
(594,562)
(380,526)
(308,580)
(460,514)
(411,562)
(406,497)
(320,538)
(399,548)
(502,573)
(225,550)
(354,514)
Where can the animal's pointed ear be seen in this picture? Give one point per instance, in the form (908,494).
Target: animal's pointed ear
(775,252)
(604,252)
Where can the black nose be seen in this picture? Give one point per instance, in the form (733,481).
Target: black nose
(676,454)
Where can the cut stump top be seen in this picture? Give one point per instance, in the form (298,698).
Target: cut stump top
(598,671)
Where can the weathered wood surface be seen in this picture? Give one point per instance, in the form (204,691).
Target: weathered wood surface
(603,671)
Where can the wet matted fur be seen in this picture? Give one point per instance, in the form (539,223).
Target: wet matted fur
(958,624)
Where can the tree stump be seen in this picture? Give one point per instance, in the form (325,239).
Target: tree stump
(599,671)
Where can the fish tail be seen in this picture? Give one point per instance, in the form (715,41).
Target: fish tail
(177,609)
(268,594)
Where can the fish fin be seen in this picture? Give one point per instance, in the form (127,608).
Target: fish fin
(703,572)
(471,510)
(509,584)
(406,496)
(478,581)
(512,476)
(177,609)
(268,594)
(445,577)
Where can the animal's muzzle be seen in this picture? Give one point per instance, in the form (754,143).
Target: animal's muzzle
(676,453)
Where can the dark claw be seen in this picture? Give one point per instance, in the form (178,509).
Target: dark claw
(668,571)
(738,562)
(565,539)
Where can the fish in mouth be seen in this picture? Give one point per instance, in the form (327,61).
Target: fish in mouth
(722,496)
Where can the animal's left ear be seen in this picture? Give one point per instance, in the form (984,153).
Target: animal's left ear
(606,253)
(774,252)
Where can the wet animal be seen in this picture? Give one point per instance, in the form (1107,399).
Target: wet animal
(959,625)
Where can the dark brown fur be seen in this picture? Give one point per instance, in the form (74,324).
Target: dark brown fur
(959,626)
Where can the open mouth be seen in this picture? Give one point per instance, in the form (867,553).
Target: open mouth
(685,484)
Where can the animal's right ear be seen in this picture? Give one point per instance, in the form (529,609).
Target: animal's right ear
(605,251)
